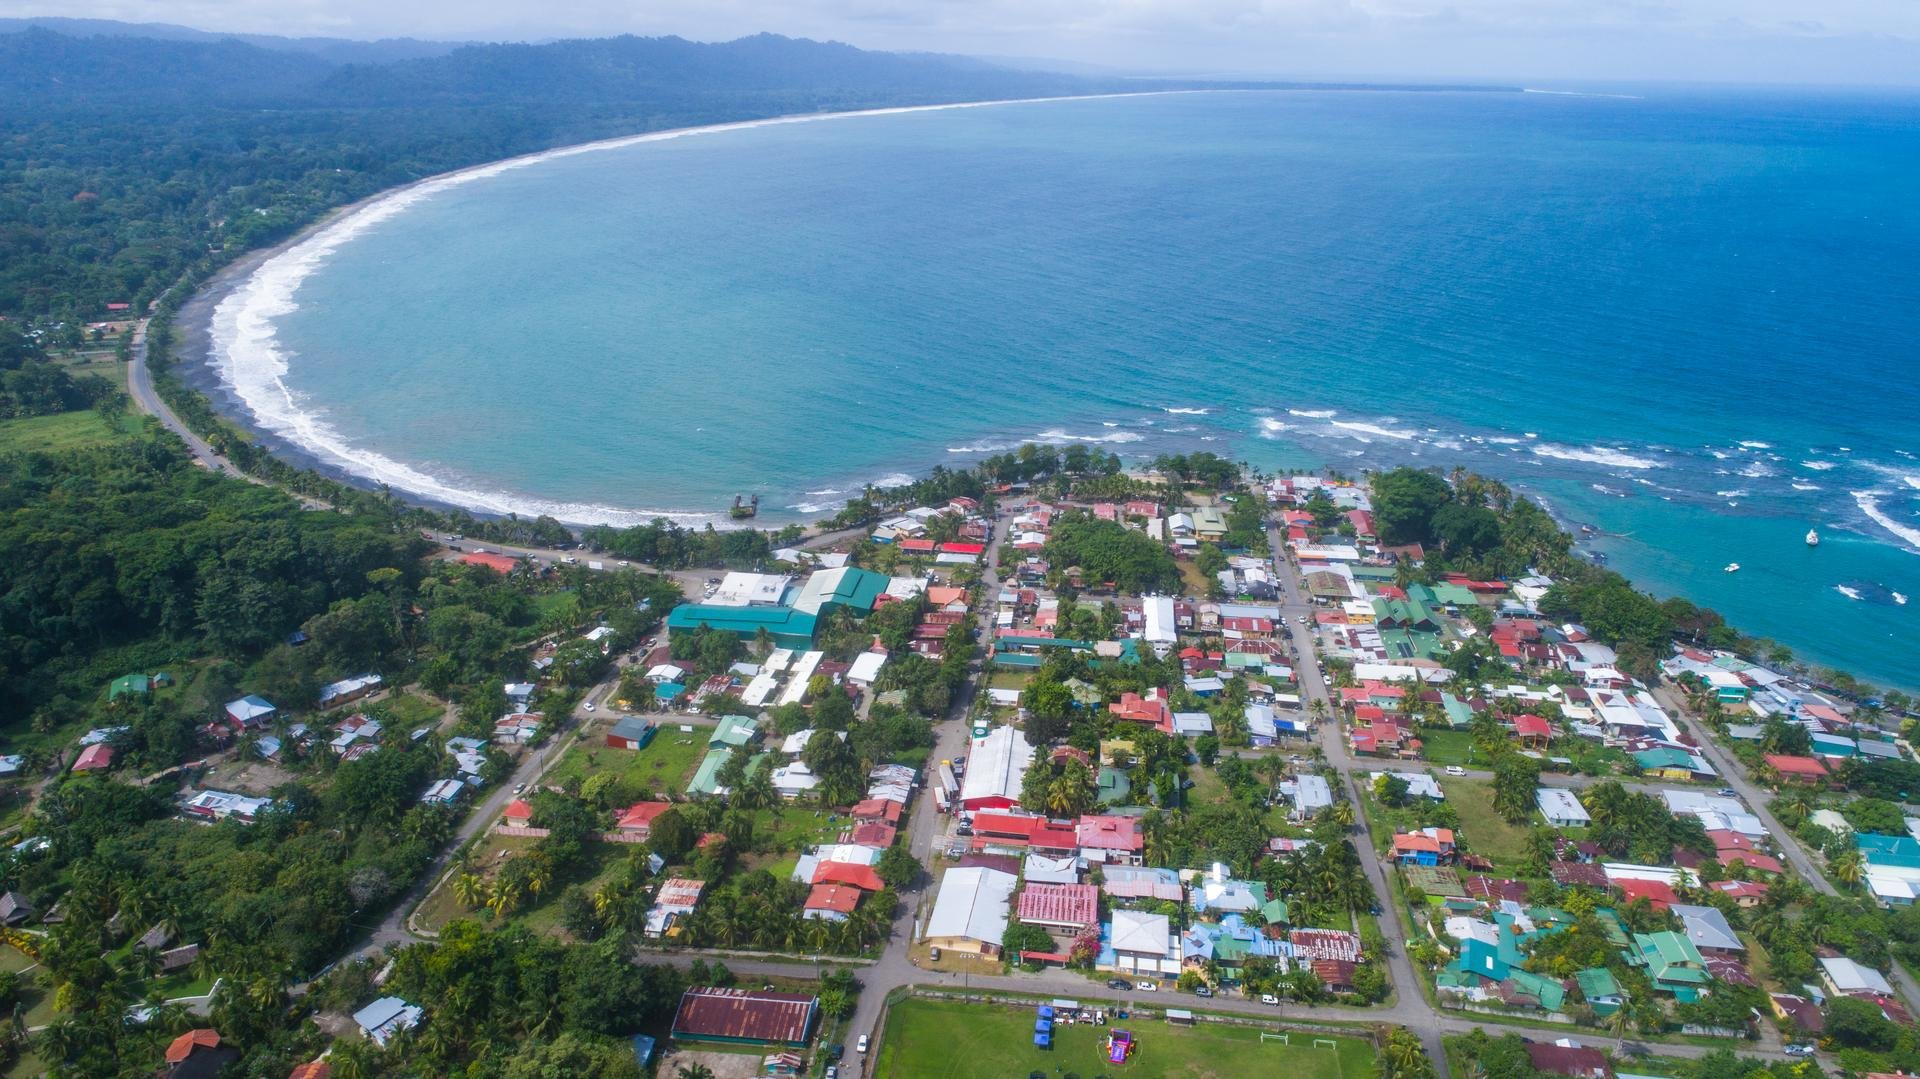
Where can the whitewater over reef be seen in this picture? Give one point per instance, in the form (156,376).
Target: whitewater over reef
(796,310)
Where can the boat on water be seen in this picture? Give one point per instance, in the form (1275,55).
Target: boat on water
(1733,567)
(1813,538)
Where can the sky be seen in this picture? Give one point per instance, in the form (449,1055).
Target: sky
(1754,41)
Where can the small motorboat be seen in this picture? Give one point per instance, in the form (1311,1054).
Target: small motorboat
(1813,538)
(1733,567)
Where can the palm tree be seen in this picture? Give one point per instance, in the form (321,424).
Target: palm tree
(1342,813)
(694,1071)
(470,890)
(1850,868)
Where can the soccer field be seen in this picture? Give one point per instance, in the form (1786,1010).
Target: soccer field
(927,1038)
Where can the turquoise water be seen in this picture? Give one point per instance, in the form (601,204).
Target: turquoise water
(1686,318)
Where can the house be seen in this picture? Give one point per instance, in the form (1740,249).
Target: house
(1844,977)
(636,820)
(1532,731)
(14,908)
(745,1017)
(1561,808)
(1428,846)
(198,1054)
(136,685)
(631,732)
(1672,964)
(1073,908)
(1140,943)
(1657,893)
(312,1069)
(677,898)
(250,712)
(386,1017)
(443,792)
(1569,1058)
(1807,770)
(970,913)
(518,728)
(1308,793)
(94,758)
(830,902)
(222,805)
(1804,1014)
(1109,838)
(1745,893)
(335,694)
(1150,710)
(1707,928)
(1600,989)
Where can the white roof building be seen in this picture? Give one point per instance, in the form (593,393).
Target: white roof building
(866,668)
(996,765)
(1144,943)
(1419,784)
(750,590)
(1845,976)
(386,1017)
(1159,621)
(1309,794)
(797,679)
(972,905)
(1561,808)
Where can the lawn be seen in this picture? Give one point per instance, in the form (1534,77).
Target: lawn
(1484,832)
(1447,746)
(667,762)
(411,712)
(961,1041)
(63,432)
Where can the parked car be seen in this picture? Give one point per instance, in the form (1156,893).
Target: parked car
(933,954)
(588,706)
(1800,1050)
(1455,770)
(1202,991)
(1269,998)
(861,1045)
(1727,792)
(1118,983)
(1145,986)
(836,1051)
(833,1071)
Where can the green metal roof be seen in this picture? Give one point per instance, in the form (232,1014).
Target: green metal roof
(1663,757)
(781,622)
(704,781)
(1551,994)
(848,586)
(733,731)
(1275,910)
(128,683)
(1597,982)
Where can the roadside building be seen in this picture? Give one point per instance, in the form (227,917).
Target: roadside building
(1561,808)
(996,766)
(745,1017)
(970,913)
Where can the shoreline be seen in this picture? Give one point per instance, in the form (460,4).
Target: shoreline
(200,368)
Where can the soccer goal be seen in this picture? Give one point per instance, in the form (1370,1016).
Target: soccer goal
(1281,1038)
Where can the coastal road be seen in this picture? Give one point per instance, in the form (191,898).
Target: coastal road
(140,388)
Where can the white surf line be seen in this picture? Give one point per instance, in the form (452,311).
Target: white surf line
(249,362)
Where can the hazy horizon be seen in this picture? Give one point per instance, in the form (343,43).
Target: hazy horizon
(1844,42)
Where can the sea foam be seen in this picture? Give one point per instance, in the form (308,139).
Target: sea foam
(1594,455)
(1869,503)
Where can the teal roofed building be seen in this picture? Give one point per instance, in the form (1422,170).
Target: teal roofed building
(1115,787)
(1404,614)
(733,731)
(1673,964)
(706,777)
(1444,594)
(1548,992)
(847,586)
(1458,713)
(788,627)
(1482,959)
(1601,990)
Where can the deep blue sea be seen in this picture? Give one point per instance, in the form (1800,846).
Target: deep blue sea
(1688,318)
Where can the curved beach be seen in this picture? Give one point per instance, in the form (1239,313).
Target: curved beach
(231,323)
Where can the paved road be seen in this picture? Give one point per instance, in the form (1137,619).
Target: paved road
(140,388)
(1409,1002)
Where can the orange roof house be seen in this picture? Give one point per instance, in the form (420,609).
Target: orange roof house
(1797,769)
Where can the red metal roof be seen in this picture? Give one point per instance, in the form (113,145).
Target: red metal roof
(744,1015)
(1060,904)
(834,897)
(94,758)
(1109,833)
(1796,766)
(849,874)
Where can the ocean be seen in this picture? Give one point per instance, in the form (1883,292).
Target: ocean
(1687,318)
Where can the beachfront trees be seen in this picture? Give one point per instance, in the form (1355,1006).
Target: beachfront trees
(1404,503)
(1107,551)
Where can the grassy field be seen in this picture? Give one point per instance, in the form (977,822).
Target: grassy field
(928,1038)
(1446,747)
(1485,833)
(667,762)
(61,433)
